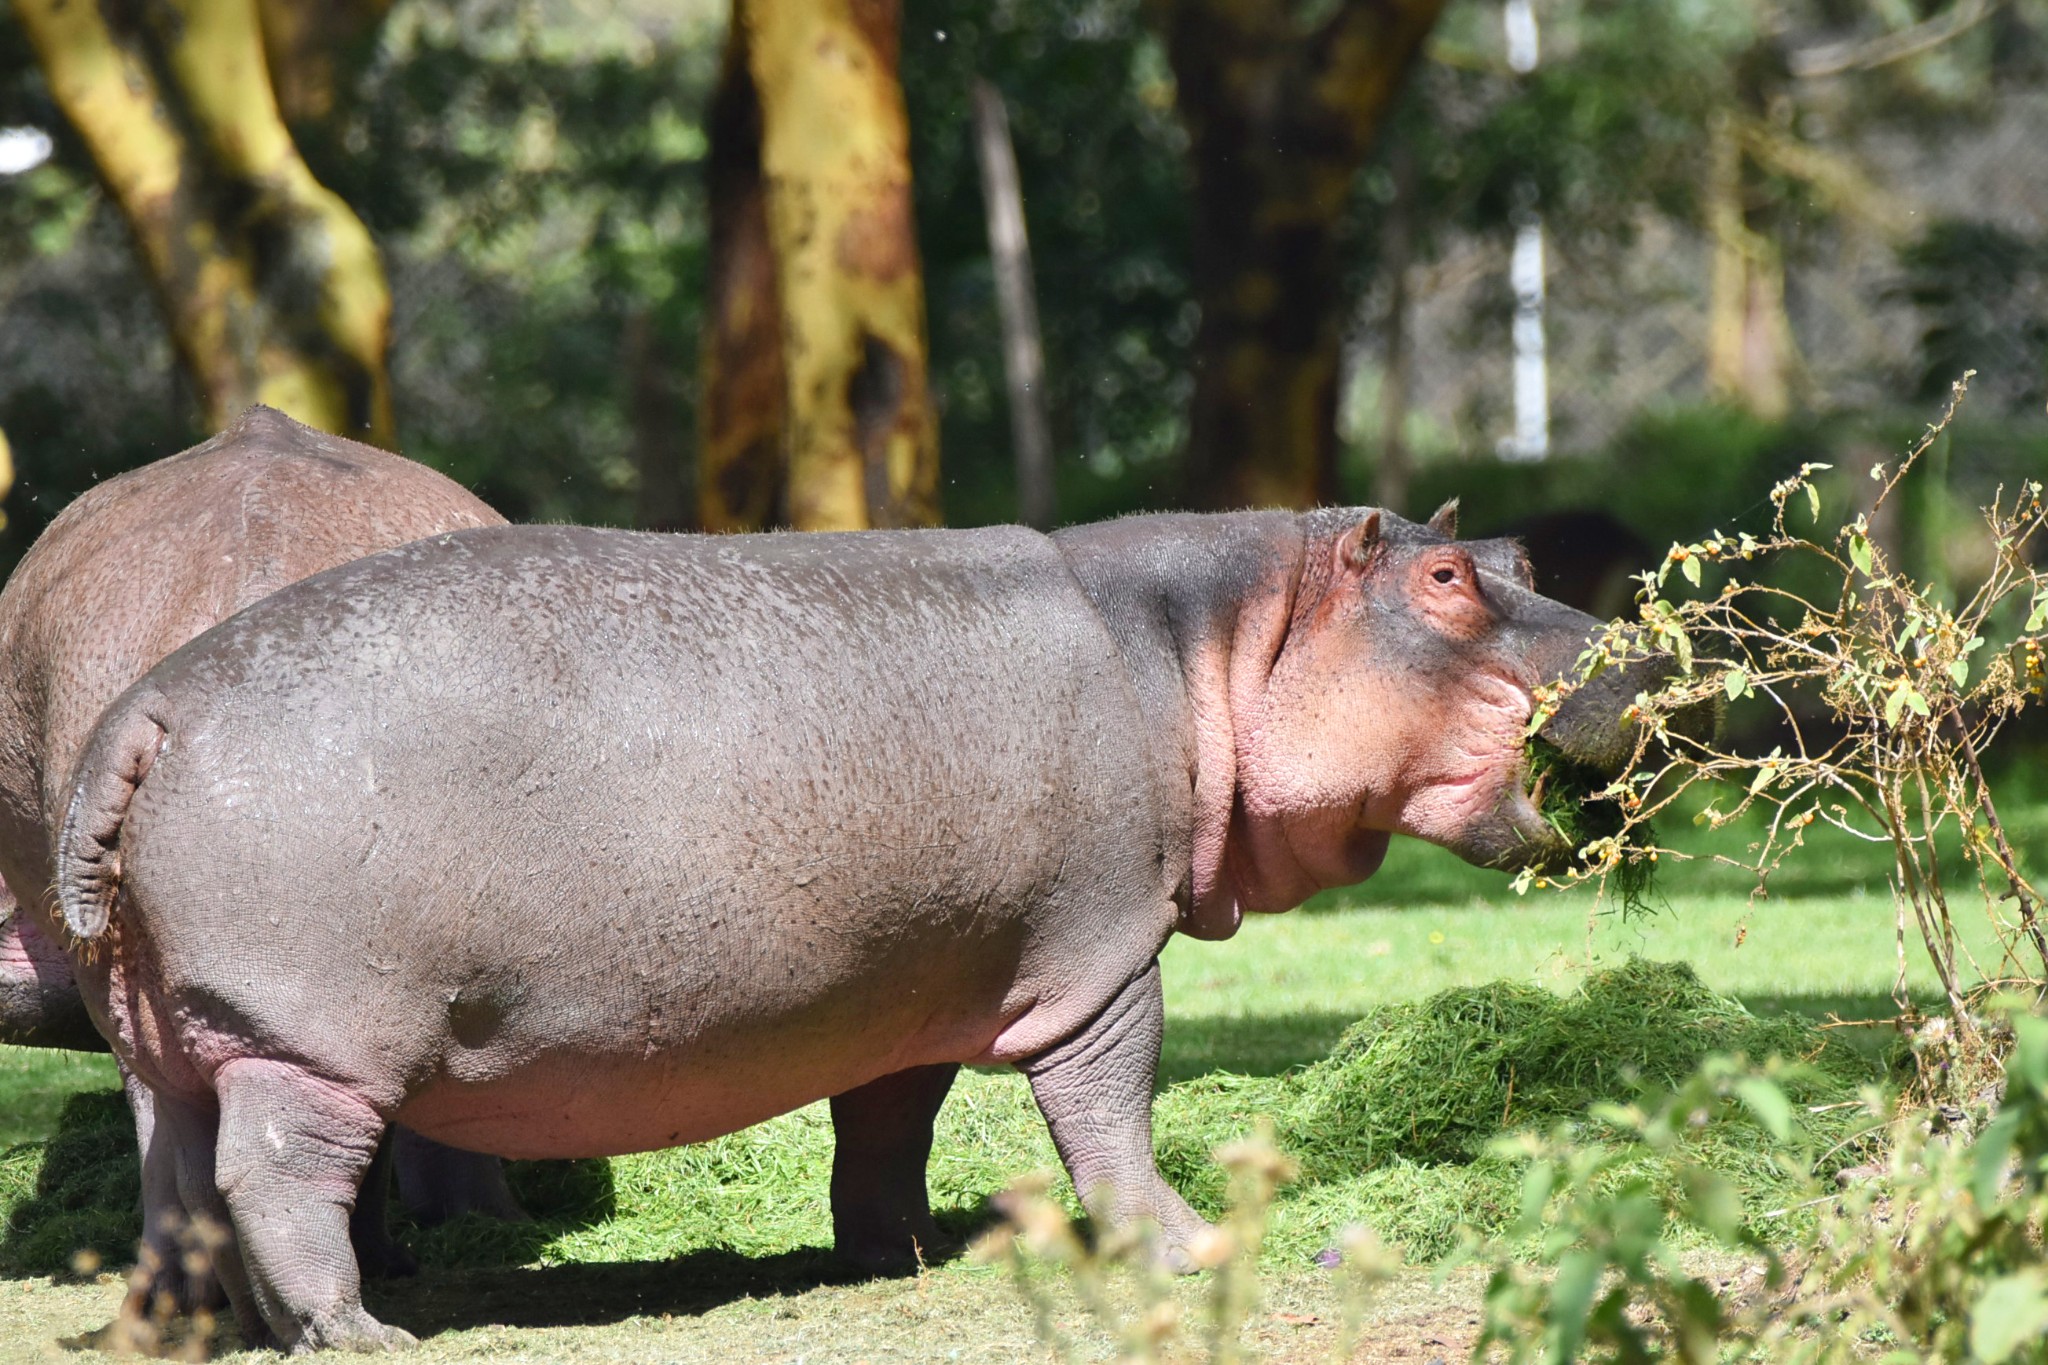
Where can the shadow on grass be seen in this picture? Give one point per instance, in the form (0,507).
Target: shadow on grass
(1247,1045)
(602,1293)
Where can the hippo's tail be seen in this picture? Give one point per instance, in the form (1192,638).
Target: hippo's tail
(123,747)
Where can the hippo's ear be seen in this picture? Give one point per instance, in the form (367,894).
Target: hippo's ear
(1356,546)
(1444,521)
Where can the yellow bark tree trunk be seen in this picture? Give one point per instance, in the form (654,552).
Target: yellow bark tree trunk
(862,440)
(271,285)
(6,477)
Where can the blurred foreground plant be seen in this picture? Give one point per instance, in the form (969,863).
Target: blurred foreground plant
(1146,1320)
(1939,1256)
(1887,697)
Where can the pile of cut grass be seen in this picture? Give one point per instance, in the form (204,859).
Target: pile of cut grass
(1391,1130)
(79,1191)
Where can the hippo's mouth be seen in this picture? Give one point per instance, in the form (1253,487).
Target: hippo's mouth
(1555,809)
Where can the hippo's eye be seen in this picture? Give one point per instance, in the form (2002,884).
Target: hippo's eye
(1445,575)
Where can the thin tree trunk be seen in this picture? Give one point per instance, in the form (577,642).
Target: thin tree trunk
(271,285)
(1280,118)
(1751,356)
(1009,250)
(835,153)
(1397,249)
(6,476)
(743,416)
(658,454)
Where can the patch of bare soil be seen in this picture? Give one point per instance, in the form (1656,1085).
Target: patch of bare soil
(739,1310)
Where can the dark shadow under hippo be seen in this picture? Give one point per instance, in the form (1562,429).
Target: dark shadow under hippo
(568,842)
(130,571)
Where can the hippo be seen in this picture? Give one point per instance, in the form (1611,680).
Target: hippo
(566,842)
(128,572)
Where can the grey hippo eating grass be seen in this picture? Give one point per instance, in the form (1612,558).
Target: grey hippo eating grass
(558,842)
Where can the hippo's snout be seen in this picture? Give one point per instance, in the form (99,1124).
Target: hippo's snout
(1597,726)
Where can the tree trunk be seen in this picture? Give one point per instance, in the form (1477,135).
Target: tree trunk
(835,155)
(743,413)
(6,476)
(271,285)
(1280,117)
(1751,355)
(1009,249)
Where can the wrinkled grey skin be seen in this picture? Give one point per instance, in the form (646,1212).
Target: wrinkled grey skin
(549,841)
(126,574)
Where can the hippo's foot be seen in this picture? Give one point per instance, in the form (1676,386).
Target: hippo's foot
(882,1138)
(351,1328)
(882,1244)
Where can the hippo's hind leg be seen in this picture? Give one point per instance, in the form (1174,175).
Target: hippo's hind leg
(437,1182)
(881,1142)
(291,1156)
(179,1189)
(1095,1090)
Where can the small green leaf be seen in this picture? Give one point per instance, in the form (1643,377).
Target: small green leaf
(1916,702)
(1736,683)
(2038,617)
(1959,672)
(1571,1300)
(1764,777)
(1691,567)
(1764,1099)
(2011,1314)
(1813,500)
(1988,1155)
(1859,551)
(1894,705)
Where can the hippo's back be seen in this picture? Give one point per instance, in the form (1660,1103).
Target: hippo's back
(144,562)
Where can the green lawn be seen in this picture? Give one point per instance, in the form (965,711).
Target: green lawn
(751,1209)
(1279,993)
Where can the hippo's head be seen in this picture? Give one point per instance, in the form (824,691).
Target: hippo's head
(1398,701)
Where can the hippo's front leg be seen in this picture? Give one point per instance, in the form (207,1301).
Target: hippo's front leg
(1095,1091)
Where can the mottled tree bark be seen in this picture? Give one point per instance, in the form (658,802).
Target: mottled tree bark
(743,414)
(862,438)
(271,285)
(1280,114)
